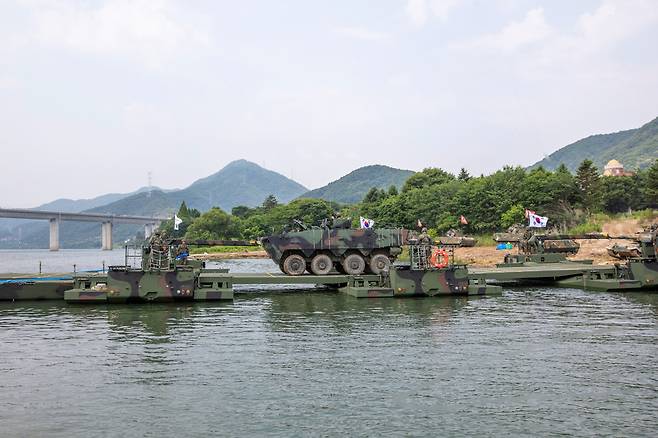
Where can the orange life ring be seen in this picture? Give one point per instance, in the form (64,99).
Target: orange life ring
(439,258)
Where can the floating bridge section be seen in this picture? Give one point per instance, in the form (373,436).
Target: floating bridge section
(544,271)
(107,221)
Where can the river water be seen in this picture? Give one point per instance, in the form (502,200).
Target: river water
(294,363)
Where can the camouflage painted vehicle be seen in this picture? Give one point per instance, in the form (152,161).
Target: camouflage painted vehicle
(420,277)
(623,252)
(540,247)
(153,274)
(320,250)
(455,238)
(123,284)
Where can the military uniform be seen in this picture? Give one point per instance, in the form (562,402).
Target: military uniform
(182,252)
(424,238)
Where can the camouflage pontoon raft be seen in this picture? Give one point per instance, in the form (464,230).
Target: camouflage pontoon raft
(162,278)
(165,279)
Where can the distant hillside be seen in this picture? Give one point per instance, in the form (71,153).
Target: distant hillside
(78,205)
(238,183)
(635,148)
(353,187)
(69,206)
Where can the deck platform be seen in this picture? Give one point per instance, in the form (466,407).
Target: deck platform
(277,278)
(543,271)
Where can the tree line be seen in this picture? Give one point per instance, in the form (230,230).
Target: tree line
(438,198)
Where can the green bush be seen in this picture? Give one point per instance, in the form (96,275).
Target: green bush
(587,227)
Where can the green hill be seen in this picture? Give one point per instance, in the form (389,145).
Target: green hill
(353,187)
(635,148)
(238,183)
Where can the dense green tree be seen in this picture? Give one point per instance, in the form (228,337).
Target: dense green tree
(374,195)
(428,177)
(515,215)
(241,211)
(463,175)
(183,211)
(214,224)
(270,202)
(651,186)
(392,191)
(620,193)
(589,185)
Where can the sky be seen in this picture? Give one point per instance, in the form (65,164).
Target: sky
(95,95)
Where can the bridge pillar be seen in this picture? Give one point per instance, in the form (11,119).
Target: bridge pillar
(106,236)
(54,234)
(148,230)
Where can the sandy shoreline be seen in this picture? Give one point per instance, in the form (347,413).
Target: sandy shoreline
(488,256)
(477,256)
(230,255)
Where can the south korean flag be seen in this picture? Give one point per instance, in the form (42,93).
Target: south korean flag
(367,223)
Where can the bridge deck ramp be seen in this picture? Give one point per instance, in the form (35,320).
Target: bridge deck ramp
(537,271)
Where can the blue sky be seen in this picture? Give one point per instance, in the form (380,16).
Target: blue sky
(95,94)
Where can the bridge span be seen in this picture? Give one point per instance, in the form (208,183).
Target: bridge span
(106,220)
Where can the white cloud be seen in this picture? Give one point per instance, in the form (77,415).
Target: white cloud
(517,34)
(361,33)
(442,8)
(418,11)
(611,23)
(614,21)
(144,28)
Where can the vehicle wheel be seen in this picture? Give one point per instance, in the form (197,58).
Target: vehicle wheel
(294,264)
(379,263)
(321,264)
(354,264)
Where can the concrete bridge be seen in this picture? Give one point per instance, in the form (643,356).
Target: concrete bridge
(106,220)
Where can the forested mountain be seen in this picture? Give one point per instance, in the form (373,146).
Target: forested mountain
(353,187)
(238,183)
(78,205)
(635,149)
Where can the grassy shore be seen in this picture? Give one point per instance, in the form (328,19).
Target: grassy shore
(224,249)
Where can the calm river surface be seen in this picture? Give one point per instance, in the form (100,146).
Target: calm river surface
(294,363)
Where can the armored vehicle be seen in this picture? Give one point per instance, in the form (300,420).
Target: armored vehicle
(535,246)
(319,250)
(623,252)
(455,238)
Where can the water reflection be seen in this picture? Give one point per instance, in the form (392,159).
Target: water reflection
(528,362)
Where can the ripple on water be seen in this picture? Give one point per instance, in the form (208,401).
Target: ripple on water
(535,361)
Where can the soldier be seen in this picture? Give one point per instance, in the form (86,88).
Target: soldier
(155,242)
(183,252)
(424,238)
(156,249)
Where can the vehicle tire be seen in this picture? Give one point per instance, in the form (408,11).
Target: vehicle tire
(354,264)
(294,264)
(379,263)
(321,264)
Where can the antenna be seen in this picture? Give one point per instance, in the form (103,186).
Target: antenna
(150,183)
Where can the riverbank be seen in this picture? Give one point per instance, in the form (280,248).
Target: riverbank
(256,254)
